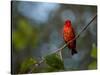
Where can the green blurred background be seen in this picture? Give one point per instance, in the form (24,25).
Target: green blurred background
(37,32)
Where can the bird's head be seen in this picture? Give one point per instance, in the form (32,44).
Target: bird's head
(68,23)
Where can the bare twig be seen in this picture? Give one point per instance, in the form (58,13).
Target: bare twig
(62,47)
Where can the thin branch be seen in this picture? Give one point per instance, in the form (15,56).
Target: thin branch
(62,47)
(36,65)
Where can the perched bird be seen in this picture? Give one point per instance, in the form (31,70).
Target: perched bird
(68,35)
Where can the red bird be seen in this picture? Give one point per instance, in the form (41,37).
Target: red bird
(68,35)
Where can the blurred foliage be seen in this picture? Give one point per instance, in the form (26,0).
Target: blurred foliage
(54,62)
(94,51)
(26,64)
(93,65)
(25,27)
(24,35)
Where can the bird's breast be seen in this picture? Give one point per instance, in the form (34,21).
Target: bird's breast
(68,34)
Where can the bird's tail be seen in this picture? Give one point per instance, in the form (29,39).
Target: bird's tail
(73,51)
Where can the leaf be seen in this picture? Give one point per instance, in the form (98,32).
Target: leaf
(94,51)
(26,64)
(50,69)
(93,65)
(54,61)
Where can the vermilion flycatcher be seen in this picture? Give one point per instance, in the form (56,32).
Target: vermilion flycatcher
(68,35)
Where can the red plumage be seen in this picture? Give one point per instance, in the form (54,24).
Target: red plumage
(68,35)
